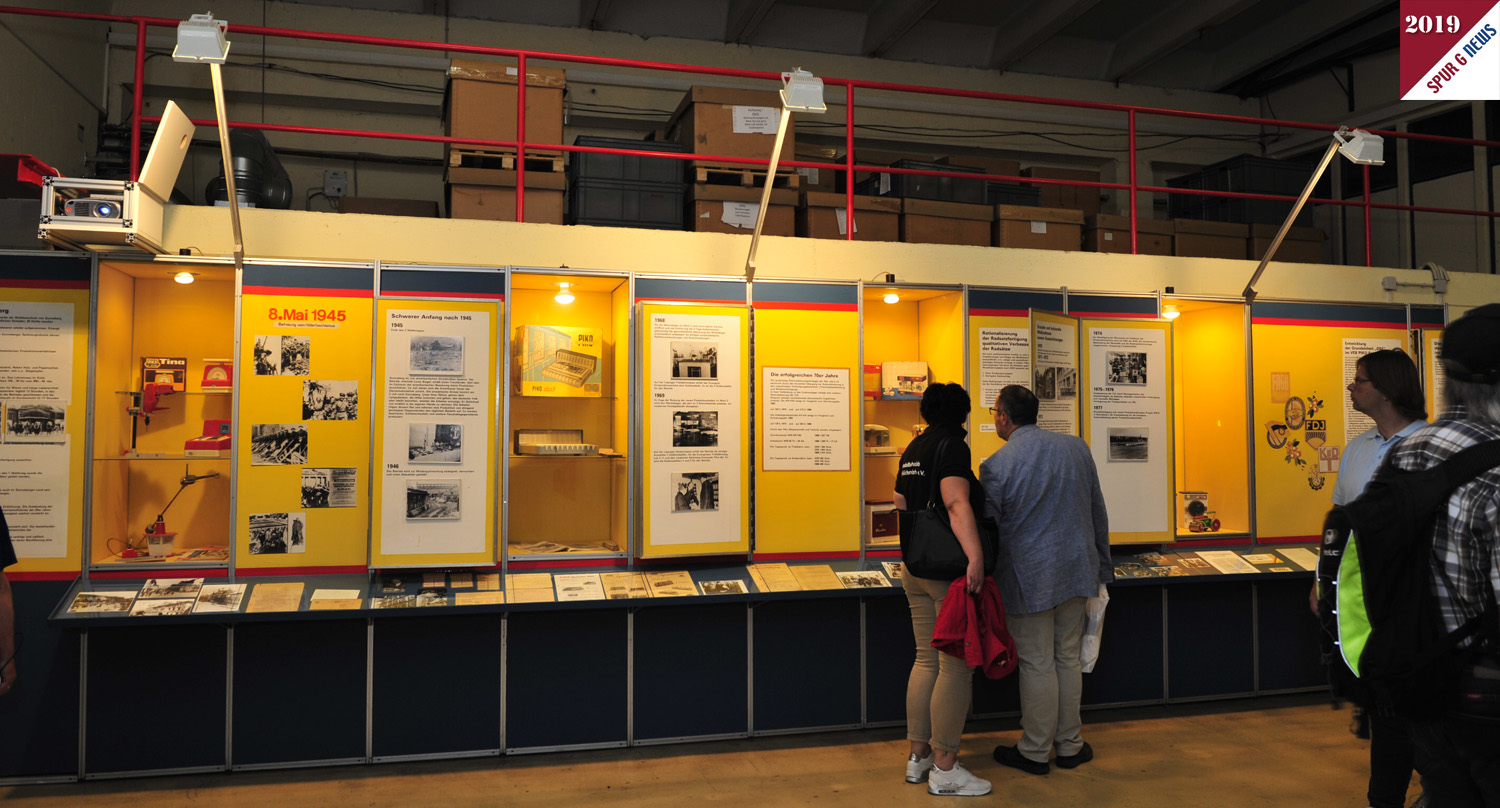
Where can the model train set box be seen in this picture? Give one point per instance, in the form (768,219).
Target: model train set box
(560,361)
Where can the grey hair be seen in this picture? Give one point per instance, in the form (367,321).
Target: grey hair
(1481,400)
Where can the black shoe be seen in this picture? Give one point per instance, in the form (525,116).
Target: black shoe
(1085,754)
(1012,757)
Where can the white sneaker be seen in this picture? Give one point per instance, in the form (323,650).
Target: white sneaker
(956,782)
(918,767)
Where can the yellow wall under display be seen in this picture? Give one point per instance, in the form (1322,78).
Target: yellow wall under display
(1290,500)
(336,537)
(737,544)
(1209,398)
(985,443)
(808,511)
(377,414)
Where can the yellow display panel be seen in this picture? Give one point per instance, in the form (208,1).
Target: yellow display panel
(1208,381)
(480,316)
(786,519)
(999,354)
(675,481)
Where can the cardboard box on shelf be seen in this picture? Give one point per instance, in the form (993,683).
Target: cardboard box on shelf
(731,123)
(495,198)
(822,215)
(1067,196)
(924,221)
(1038,228)
(1111,234)
(388,207)
(1209,239)
(481,102)
(820,179)
(1302,245)
(733,208)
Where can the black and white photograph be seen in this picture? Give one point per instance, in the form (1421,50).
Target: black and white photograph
(695,360)
(267,355)
(297,522)
(892,569)
(437,444)
(329,488)
(1128,443)
(864,579)
(1046,383)
(93,602)
(436,356)
(171,587)
(35,422)
(220,598)
(432,596)
(278,444)
(280,532)
(164,606)
(432,500)
(1125,367)
(695,491)
(735,587)
(277,355)
(1067,382)
(695,428)
(330,400)
(393,602)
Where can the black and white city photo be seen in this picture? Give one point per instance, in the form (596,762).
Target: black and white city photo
(35,422)
(88,602)
(330,400)
(278,444)
(695,428)
(280,532)
(1067,382)
(433,500)
(695,360)
(1128,443)
(171,587)
(437,356)
(695,491)
(164,606)
(1046,383)
(328,488)
(435,444)
(1125,367)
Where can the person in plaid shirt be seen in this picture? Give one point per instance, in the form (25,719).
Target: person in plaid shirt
(1460,759)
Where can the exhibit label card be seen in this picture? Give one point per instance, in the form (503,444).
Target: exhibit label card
(1128,428)
(36,383)
(807,419)
(275,598)
(1055,372)
(622,585)
(673,584)
(817,576)
(1004,359)
(775,577)
(578,586)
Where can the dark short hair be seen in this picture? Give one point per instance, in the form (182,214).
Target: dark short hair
(1471,346)
(1019,404)
(1395,376)
(945,404)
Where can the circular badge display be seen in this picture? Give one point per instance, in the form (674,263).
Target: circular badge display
(1296,412)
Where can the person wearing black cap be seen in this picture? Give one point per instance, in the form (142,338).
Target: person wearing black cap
(1460,759)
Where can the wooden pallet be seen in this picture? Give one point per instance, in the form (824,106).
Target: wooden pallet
(709,173)
(462,157)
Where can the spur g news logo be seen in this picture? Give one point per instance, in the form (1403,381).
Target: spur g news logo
(1450,50)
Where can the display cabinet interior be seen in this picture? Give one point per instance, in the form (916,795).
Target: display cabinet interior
(1209,371)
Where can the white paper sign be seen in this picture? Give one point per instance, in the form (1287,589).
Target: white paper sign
(1057,367)
(843,216)
(807,423)
(756,120)
(36,389)
(1128,426)
(1039,227)
(1004,359)
(740,214)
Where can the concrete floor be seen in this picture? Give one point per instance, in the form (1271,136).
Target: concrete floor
(1282,751)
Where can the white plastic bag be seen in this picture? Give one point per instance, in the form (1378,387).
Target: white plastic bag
(1093,628)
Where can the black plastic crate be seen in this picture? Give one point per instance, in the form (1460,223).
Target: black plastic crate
(595,166)
(1008,193)
(1186,206)
(622,203)
(916,186)
(1245,174)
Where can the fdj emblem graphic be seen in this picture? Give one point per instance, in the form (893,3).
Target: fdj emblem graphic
(1450,50)
(1317,432)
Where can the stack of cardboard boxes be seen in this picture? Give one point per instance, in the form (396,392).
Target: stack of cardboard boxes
(481,104)
(724,196)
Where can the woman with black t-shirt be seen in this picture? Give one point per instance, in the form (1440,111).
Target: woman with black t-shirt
(938,692)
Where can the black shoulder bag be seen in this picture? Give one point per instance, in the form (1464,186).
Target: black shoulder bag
(928,546)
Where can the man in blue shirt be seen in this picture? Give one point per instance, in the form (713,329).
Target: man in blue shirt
(1042,489)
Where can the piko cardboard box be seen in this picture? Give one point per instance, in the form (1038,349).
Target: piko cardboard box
(924,221)
(726,122)
(1209,239)
(1038,228)
(558,361)
(1085,199)
(822,215)
(493,195)
(1302,245)
(1111,234)
(481,102)
(733,208)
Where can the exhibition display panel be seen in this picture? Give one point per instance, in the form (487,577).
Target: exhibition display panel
(1209,371)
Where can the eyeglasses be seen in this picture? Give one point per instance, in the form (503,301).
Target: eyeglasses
(1360,380)
(993,411)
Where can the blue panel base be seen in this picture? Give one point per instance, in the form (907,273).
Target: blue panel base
(806,664)
(322,716)
(1289,636)
(1130,651)
(1210,646)
(683,692)
(889,650)
(436,685)
(566,677)
(39,717)
(156,698)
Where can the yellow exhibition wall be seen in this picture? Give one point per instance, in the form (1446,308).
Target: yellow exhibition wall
(808,511)
(1209,396)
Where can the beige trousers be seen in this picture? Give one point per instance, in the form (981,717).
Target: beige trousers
(1051,678)
(939,690)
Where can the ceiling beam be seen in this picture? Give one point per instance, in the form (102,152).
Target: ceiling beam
(1167,30)
(1304,35)
(1026,30)
(743,25)
(890,21)
(591,13)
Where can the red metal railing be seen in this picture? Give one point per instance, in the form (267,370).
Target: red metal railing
(1132,112)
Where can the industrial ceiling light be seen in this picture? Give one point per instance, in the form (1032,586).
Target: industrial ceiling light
(201,39)
(184,277)
(892,297)
(1361,147)
(801,91)
(1170,312)
(564,296)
